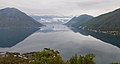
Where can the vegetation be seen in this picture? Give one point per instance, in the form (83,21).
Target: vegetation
(87,59)
(47,56)
(108,23)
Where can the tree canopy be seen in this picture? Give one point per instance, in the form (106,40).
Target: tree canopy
(46,56)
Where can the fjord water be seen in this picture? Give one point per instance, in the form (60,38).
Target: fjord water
(67,41)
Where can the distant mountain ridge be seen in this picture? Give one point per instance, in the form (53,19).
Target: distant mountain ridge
(109,22)
(77,21)
(51,19)
(49,16)
(12,17)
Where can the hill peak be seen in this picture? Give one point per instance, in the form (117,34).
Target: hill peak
(77,21)
(85,15)
(12,17)
(106,22)
(9,9)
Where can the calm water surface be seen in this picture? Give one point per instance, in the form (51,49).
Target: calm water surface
(67,41)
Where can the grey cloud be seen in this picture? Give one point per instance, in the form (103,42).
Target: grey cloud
(62,7)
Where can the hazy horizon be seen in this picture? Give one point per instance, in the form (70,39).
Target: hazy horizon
(62,7)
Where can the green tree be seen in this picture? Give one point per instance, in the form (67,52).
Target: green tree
(86,59)
(73,60)
(47,56)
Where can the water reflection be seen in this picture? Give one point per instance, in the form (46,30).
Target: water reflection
(114,40)
(11,36)
(53,28)
(68,43)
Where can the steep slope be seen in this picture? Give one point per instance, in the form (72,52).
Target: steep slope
(106,22)
(11,17)
(77,21)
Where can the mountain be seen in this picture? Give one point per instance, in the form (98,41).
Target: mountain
(77,21)
(109,22)
(12,17)
(48,16)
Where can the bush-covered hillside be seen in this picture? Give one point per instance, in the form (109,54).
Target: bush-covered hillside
(47,56)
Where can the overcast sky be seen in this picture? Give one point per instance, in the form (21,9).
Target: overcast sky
(62,7)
